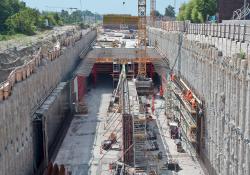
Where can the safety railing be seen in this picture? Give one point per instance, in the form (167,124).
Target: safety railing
(236,32)
(20,73)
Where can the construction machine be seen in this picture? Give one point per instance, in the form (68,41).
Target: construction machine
(107,144)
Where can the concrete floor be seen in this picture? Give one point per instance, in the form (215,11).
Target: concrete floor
(188,161)
(80,150)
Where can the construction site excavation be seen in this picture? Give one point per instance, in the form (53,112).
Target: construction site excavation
(121,125)
(134,95)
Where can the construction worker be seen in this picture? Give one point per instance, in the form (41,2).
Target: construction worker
(172,77)
(193,103)
(161,92)
(189,95)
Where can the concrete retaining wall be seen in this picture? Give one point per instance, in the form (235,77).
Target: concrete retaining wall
(49,124)
(16,147)
(223,83)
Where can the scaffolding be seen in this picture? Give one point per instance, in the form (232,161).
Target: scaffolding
(133,121)
(116,71)
(139,127)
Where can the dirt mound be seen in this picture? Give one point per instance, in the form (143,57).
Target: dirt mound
(15,53)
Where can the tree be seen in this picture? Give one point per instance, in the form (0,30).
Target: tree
(23,21)
(169,11)
(78,16)
(206,7)
(64,16)
(15,17)
(7,9)
(157,13)
(181,16)
(188,10)
(197,10)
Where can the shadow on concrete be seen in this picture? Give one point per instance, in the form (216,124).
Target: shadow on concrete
(77,151)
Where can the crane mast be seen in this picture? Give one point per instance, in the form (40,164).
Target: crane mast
(152,11)
(142,38)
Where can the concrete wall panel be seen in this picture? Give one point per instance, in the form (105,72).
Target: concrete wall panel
(16,147)
(223,82)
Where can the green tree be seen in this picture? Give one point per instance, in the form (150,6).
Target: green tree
(64,15)
(157,13)
(53,18)
(197,10)
(181,16)
(188,10)
(169,11)
(76,16)
(7,9)
(196,16)
(206,7)
(23,22)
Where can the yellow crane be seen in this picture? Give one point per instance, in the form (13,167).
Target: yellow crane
(142,33)
(152,11)
(142,37)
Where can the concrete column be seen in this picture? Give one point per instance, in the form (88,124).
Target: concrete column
(226,131)
(213,117)
(238,90)
(247,123)
(233,114)
(242,121)
(217,117)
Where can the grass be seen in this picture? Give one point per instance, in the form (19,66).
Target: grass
(9,37)
(242,55)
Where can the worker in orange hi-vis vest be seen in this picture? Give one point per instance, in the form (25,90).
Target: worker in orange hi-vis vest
(161,92)
(110,167)
(172,77)
(193,103)
(189,95)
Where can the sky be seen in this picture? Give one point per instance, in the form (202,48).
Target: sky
(100,6)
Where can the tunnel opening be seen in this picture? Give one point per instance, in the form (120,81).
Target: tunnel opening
(108,73)
(104,80)
(156,79)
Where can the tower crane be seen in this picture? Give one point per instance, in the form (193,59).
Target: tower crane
(152,11)
(142,38)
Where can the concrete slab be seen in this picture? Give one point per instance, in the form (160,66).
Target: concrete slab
(188,161)
(80,150)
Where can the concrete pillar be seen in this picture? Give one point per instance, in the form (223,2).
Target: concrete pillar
(226,138)
(247,123)
(242,116)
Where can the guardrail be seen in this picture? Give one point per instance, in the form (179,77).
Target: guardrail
(20,73)
(236,32)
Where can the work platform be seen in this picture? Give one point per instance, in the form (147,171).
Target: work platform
(117,55)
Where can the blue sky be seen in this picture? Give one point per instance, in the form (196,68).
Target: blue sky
(100,6)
